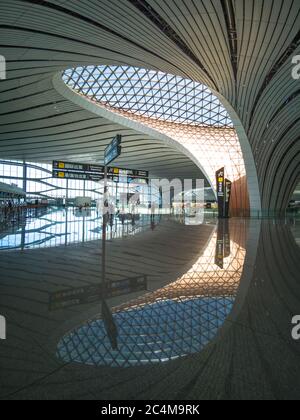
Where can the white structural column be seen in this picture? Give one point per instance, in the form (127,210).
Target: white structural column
(251,170)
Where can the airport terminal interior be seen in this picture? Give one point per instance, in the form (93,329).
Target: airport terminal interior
(149,200)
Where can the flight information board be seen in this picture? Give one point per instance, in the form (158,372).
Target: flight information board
(129,176)
(68,170)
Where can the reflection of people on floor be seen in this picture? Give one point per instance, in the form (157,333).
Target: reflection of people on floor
(153,211)
(112,211)
(133,210)
(153,225)
(133,219)
(122,215)
(99,205)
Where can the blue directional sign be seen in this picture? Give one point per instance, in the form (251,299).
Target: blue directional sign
(113,151)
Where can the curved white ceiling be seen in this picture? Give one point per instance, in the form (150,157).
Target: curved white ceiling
(242,50)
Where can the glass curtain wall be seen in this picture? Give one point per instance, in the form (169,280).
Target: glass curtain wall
(36,180)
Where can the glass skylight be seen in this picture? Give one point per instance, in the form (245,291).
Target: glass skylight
(150,94)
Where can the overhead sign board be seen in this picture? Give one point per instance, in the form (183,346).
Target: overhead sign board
(128,172)
(113,151)
(67,170)
(129,176)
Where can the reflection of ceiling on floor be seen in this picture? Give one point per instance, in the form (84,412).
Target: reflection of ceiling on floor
(172,322)
(246,363)
(160,332)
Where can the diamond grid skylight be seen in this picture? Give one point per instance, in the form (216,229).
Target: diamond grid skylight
(149,93)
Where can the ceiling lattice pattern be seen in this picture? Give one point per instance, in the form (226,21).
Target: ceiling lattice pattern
(149,93)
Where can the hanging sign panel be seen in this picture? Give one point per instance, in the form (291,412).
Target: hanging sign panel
(80,171)
(113,150)
(67,170)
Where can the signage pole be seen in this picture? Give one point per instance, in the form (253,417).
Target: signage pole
(104,228)
(112,151)
(67,192)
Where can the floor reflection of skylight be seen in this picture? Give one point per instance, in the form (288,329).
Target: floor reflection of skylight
(149,93)
(156,333)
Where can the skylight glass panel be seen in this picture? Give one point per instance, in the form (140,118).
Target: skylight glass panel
(149,93)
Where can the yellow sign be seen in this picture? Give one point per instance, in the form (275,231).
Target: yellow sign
(116,170)
(61,165)
(61,174)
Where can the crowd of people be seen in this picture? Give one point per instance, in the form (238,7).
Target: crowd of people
(124,213)
(15,208)
(10,208)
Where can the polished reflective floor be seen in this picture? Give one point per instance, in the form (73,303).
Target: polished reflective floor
(186,312)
